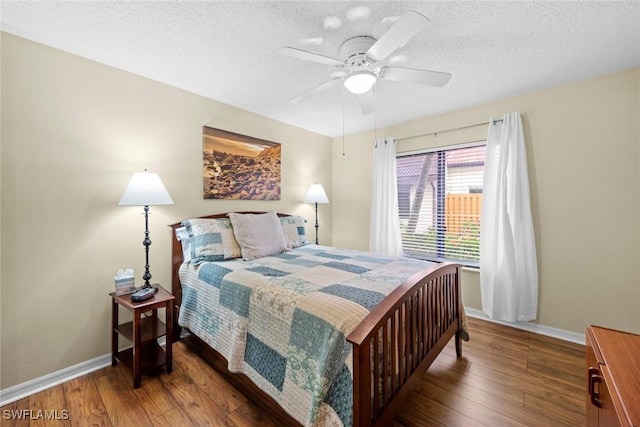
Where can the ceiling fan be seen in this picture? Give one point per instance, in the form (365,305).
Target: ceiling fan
(364,62)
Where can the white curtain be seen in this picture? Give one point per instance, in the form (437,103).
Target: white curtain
(385,219)
(508,265)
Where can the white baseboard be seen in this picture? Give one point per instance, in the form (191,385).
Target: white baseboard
(36,385)
(549,331)
(20,391)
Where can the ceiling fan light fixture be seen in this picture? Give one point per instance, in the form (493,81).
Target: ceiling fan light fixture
(360,82)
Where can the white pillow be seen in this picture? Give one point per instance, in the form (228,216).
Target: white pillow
(183,237)
(258,235)
(294,231)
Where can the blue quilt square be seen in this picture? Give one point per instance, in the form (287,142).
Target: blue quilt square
(367,299)
(312,249)
(374,259)
(332,256)
(340,396)
(286,256)
(266,361)
(303,262)
(314,344)
(235,297)
(315,336)
(207,239)
(347,267)
(212,274)
(189,299)
(268,271)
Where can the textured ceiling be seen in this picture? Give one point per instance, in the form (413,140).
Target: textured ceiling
(227,50)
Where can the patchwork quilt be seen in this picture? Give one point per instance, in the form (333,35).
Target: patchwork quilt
(283,320)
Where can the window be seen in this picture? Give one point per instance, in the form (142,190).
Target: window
(439,199)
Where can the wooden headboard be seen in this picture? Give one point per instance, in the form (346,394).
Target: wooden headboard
(176,262)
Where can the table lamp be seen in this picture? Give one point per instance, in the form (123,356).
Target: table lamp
(145,189)
(316,195)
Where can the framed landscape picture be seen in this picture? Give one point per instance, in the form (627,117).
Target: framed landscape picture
(239,167)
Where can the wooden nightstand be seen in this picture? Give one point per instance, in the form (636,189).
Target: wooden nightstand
(144,331)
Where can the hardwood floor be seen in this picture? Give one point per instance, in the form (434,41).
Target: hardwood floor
(506,377)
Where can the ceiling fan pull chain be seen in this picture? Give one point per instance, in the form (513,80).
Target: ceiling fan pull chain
(375,112)
(343,120)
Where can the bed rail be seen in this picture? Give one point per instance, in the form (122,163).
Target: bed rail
(420,316)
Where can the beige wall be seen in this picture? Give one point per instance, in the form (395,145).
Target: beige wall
(583,144)
(73,132)
(636,119)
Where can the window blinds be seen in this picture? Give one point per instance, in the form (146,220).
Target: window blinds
(439,201)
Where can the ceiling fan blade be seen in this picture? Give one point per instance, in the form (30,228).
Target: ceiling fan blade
(316,90)
(424,77)
(410,24)
(306,55)
(367,101)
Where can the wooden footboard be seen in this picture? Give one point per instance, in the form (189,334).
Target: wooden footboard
(396,343)
(392,347)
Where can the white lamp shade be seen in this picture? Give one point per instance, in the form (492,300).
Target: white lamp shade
(360,81)
(145,189)
(316,194)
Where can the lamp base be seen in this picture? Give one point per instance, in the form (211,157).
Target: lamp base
(317,225)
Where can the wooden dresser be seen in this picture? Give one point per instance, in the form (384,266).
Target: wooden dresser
(613,377)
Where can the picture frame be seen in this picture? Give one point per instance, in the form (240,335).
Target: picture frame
(240,167)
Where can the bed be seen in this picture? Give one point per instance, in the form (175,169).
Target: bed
(312,334)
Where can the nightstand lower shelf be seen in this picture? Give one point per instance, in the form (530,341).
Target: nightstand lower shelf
(152,357)
(150,329)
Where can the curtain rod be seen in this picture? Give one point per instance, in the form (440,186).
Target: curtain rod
(450,130)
